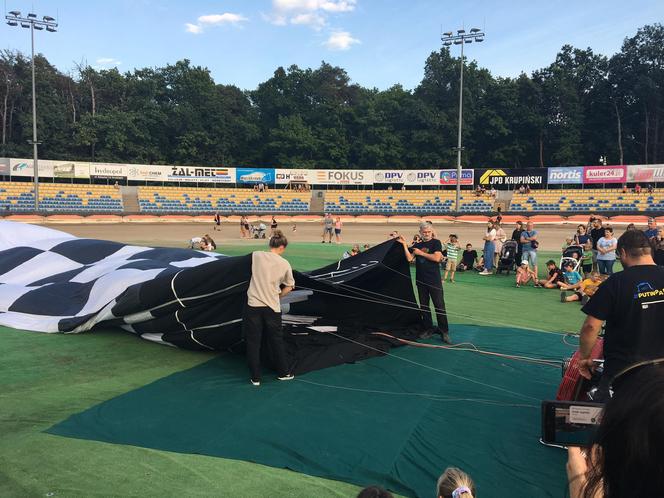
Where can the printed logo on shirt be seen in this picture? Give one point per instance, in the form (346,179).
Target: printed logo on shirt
(645,289)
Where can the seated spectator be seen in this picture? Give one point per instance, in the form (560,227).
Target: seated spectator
(209,243)
(637,189)
(527,189)
(624,188)
(522,189)
(651,189)
(366,246)
(524,275)
(572,282)
(627,454)
(589,286)
(455,483)
(468,259)
(354,251)
(195,242)
(493,193)
(374,492)
(555,275)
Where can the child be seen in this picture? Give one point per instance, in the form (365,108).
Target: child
(524,275)
(587,258)
(452,247)
(555,275)
(568,242)
(572,282)
(589,286)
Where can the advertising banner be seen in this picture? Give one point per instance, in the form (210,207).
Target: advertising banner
(64,170)
(645,173)
(146,172)
(389,176)
(566,175)
(604,174)
(4,166)
(510,178)
(23,167)
(449,177)
(343,177)
(254,175)
(108,171)
(423,177)
(194,174)
(284,176)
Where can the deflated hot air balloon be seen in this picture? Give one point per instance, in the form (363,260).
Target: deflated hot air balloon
(51,281)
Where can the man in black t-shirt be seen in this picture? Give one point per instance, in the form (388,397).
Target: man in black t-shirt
(516,235)
(468,258)
(428,255)
(596,233)
(632,304)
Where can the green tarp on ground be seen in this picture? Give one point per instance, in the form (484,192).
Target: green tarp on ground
(395,421)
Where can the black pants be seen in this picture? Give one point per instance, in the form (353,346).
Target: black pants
(426,292)
(255,323)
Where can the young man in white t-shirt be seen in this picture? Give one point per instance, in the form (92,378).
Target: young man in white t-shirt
(271,279)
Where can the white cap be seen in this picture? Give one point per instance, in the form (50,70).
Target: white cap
(524,262)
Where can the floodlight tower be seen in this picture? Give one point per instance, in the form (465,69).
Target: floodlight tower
(30,21)
(461,38)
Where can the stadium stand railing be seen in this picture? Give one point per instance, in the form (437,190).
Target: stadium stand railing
(404,201)
(224,200)
(19,197)
(588,200)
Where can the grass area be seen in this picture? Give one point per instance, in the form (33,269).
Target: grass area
(45,378)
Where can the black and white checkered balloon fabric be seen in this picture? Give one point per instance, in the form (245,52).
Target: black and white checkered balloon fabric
(51,281)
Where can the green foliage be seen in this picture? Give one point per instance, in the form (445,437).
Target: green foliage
(582,106)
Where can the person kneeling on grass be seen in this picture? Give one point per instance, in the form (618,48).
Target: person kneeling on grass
(524,275)
(271,279)
(572,282)
(555,275)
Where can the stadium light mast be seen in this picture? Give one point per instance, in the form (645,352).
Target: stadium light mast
(461,38)
(14,19)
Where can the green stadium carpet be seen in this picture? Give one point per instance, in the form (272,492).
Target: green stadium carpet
(47,378)
(396,421)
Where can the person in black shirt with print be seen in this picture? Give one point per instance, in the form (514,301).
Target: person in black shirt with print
(631,303)
(596,233)
(516,235)
(428,255)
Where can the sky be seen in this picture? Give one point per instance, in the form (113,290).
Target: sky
(379,43)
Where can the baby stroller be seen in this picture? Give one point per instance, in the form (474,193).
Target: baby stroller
(572,254)
(259,233)
(507,258)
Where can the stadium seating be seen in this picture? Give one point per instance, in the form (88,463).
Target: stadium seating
(19,197)
(224,200)
(587,200)
(403,202)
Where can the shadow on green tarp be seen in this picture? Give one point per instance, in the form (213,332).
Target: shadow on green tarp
(382,421)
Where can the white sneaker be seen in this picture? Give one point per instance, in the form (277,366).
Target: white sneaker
(286,377)
(255,382)
(485,272)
